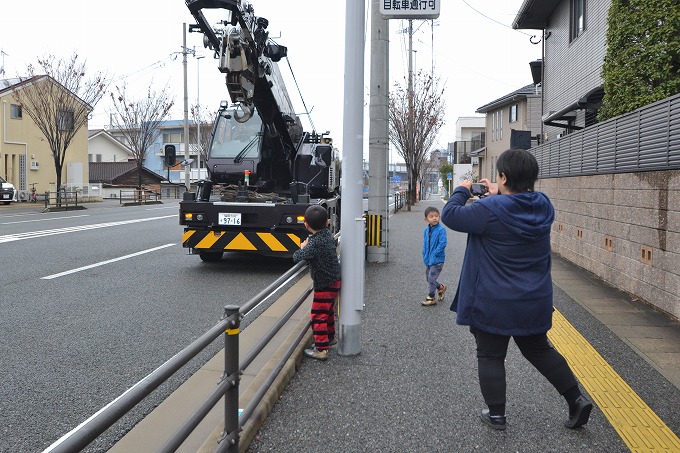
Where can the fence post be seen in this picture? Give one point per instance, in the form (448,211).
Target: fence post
(233,374)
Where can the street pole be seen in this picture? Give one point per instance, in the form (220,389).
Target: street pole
(199,147)
(353,229)
(187,167)
(378,134)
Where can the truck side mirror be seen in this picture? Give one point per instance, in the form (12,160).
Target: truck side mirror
(323,154)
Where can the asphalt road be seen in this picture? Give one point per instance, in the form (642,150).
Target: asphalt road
(94,300)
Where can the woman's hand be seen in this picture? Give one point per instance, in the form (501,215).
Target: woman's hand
(466,183)
(491,187)
(303,244)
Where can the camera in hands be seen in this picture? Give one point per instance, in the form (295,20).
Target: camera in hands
(478,189)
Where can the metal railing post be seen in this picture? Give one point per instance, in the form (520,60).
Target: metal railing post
(233,375)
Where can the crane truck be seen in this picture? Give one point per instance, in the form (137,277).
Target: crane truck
(264,170)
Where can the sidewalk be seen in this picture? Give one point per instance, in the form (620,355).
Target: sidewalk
(414,387)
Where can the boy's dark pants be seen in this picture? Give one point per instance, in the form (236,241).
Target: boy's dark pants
(323,315)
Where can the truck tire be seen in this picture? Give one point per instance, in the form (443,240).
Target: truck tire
(210,257)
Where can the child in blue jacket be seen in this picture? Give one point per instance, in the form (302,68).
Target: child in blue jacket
(434,245)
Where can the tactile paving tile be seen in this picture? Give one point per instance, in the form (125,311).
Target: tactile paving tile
(639,427)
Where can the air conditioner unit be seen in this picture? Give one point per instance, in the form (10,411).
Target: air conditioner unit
(35,165)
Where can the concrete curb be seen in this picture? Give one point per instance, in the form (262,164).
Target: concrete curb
(253,425)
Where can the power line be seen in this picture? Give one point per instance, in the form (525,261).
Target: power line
(494,20)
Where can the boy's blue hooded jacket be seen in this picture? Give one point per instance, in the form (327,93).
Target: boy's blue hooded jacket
(505,285)
(434,245)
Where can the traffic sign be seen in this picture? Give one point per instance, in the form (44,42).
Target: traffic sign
(409,9)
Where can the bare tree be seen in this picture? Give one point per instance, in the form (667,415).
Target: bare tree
(415,118)
(58,98)
(202,128)
(138,120)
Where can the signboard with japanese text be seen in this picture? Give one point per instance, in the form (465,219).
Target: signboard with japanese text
(409,9)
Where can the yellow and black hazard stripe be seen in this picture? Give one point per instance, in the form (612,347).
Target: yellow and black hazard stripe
(242,241)
(373,230)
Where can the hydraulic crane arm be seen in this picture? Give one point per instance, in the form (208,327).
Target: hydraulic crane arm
(244,53)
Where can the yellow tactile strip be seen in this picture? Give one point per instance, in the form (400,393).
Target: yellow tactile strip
(639,427)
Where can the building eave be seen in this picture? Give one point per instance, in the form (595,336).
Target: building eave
(534,14)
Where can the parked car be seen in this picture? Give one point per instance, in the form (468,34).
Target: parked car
(7,192)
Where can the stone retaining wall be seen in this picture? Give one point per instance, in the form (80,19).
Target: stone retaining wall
(625,228)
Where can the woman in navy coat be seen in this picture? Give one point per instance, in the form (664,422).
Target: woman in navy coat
(505,286)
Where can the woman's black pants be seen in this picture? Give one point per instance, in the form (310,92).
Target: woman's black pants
(491,352)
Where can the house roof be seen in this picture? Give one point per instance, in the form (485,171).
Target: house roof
(11,84)
(14,83)
(534,14)
(516,95)
(108,172)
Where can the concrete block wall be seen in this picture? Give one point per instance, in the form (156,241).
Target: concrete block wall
(624,228)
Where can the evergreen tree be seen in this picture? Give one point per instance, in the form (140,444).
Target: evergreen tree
(642,64)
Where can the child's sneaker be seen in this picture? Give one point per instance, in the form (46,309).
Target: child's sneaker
(441,292)
(429,301)
(316,354)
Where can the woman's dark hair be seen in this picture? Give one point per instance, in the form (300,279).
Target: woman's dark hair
(316,217)
(520,169)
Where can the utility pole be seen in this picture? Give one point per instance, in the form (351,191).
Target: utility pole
(187,167)
(353,238)
(378,134)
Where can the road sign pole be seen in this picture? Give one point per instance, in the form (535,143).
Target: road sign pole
(353,242)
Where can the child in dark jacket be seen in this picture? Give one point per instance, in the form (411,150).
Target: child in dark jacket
(434,245)
(320,250)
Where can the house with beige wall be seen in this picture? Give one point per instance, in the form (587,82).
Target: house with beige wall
(519,111)
(25,156)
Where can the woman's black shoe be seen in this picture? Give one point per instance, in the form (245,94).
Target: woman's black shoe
(494,421)
(579,415)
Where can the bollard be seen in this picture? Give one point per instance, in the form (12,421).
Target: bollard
(232,373)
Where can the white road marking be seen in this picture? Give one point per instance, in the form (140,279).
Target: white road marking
(101,263)
(45,220)
(43,233)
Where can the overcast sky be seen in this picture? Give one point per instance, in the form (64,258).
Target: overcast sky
(472,48)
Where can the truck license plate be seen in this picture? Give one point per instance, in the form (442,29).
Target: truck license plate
(4,195)
(229,218)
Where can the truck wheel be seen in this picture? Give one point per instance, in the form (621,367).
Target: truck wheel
(210,257)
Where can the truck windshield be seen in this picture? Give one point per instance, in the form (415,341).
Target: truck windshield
(234,139)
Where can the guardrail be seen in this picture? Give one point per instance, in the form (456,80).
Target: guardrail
(63,199)
(399,200)
(138,196)
(229,325)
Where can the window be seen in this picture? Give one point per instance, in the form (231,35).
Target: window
(497,125)
(578,18)
(65,120)
(177,137)
(15,112)
(513,113)
(500,125)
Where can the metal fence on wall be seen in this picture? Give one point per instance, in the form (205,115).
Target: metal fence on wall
(643,140)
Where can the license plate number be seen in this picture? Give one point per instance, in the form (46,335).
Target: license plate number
(5,195)
(229,218)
